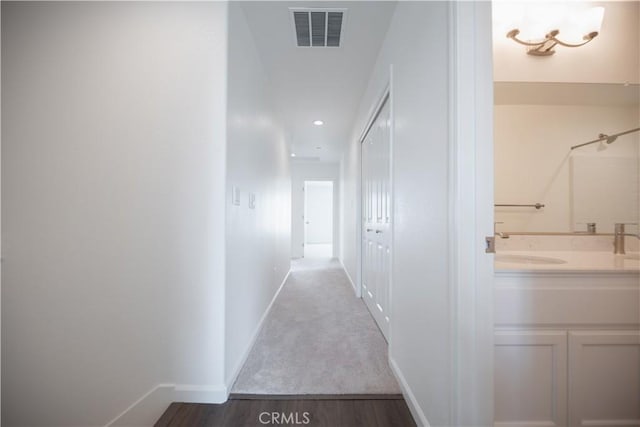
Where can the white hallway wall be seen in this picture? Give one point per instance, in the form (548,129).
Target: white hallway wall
(0,225)
(420,346)
(307,171)
(113,201)
(257,240)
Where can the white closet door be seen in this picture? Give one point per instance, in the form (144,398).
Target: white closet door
(376,219)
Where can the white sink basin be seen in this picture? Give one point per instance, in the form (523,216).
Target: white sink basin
(528,259)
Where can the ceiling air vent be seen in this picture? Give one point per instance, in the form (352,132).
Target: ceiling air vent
(318,27)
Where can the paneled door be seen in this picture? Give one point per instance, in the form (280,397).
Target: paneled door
(604,378)
(376,218)
(530,383)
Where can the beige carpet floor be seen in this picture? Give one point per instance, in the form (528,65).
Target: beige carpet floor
(318,339)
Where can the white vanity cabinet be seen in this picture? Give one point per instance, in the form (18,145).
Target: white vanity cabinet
(531,378)
(567,349)
(604,378)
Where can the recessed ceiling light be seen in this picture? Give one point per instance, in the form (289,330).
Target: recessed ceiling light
(293,154)
(318,122)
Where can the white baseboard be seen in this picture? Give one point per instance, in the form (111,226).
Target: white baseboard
(412,403)
(150,407)
(353,285)
(247,350)
(199,394)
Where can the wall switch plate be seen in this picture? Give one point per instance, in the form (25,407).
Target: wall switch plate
(235,195)
(252,201)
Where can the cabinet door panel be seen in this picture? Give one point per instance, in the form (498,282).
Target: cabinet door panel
(604,378)
(530,378)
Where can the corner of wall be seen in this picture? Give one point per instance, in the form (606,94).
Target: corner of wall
(412,402)
(353,284)
(231,379)
(150,407)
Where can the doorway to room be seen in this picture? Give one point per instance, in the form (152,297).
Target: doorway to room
(318,219)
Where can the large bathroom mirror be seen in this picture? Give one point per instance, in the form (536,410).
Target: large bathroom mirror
(541,183)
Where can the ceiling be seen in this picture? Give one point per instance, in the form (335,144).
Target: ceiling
(318,83)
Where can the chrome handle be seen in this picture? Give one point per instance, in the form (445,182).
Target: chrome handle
(369,230)
(535,205)
(378,231)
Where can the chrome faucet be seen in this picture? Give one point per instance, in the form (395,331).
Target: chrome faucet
(619,235)
(591,228)
(502,235)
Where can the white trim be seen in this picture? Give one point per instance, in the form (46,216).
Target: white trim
(236,371)
(149,408)
(304,218)
(353,285)
(412,402)
(392,242)
(358,230)
(375,111)
(385,96)
(154,397)
(200,393)
(453,219)
(471,213)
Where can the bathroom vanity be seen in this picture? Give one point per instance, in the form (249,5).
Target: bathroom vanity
(567,337)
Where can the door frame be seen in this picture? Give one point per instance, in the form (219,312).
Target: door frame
(470,189)
(304,213)
(381,100)
(471,176)
(385,95)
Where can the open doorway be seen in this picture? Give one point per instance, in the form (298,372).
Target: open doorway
(318,219)
(570,192)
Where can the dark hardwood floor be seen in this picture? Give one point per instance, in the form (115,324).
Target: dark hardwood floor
(311,411)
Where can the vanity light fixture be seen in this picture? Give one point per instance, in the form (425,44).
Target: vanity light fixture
(293,154)
(318,122)
(540,32)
